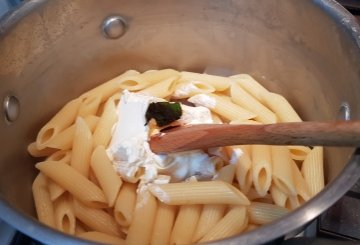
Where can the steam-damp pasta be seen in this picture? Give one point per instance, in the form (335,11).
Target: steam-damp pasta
(100,181)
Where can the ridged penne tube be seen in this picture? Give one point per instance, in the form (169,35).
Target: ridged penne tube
(226,173)
(161,89)
(63,119)
(72,181)
(80,228)
(82,147)
(204,192)
(64,140)
(230,110)
(302,191)
(96,219)
(102,133)
(187,89)
(261,169)
(125,204)
(243,171)
(185,224)
(89,106)
(60,156)
(146,79)
(218,82)
(313,170)
(102,238)
(35,152)
(55,190)
(109,180)
(251,86)
(253,195)
(263,213)
(164,222)
(144,219)
(110,87)
(240,97)
(212,213)
(298,152)
(282,170)
(64,215)
(281,107)
(210,216)
(43,204)
(234,222)
(279,197)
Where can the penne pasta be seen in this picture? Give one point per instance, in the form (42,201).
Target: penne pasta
(185,224)
(63,119)
(102,133)
(82,147)
(144,219)
(161,89)
(313,170)
(44,206)
(72,181)
(55,190)
(261,169)
(97,219)
(164,222)
(64,140)
(302,190)
(282,170)
(234,222)
(240,156)
(279,197)
(109,180)
(204,192)
(263,213)
(89,106)
(229,110)
(60,156)
(212,213)
(125,203)
(281,107)
(187,89)
(250,85)
(218,82)
(298,152)
(240,97)
(105,90)
(35,152)
(64,215)
(146,79)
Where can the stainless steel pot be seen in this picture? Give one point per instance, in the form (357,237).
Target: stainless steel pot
(51,51)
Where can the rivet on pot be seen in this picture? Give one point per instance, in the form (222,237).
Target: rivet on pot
(11,108)
(114,27)
(344,112)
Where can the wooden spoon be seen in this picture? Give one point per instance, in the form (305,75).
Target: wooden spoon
(202,136)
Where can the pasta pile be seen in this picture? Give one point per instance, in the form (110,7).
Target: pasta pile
(78,191)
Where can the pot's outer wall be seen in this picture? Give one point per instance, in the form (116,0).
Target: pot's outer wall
(306,50)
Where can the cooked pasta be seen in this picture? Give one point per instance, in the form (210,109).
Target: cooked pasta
(86,190)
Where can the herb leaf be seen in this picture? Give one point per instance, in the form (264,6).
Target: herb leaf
(164,113)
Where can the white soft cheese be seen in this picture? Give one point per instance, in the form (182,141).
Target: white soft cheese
(184,91)
(203,100)
(131,154)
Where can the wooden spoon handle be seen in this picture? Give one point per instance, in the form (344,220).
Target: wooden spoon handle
(202,136)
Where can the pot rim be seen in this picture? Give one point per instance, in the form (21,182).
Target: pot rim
(301,216)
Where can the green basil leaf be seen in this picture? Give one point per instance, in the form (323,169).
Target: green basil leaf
(164,113)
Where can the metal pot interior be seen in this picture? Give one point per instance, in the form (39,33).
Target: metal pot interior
(304,50)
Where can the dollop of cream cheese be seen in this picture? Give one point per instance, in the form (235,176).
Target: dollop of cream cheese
(130,152)
(203,100)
